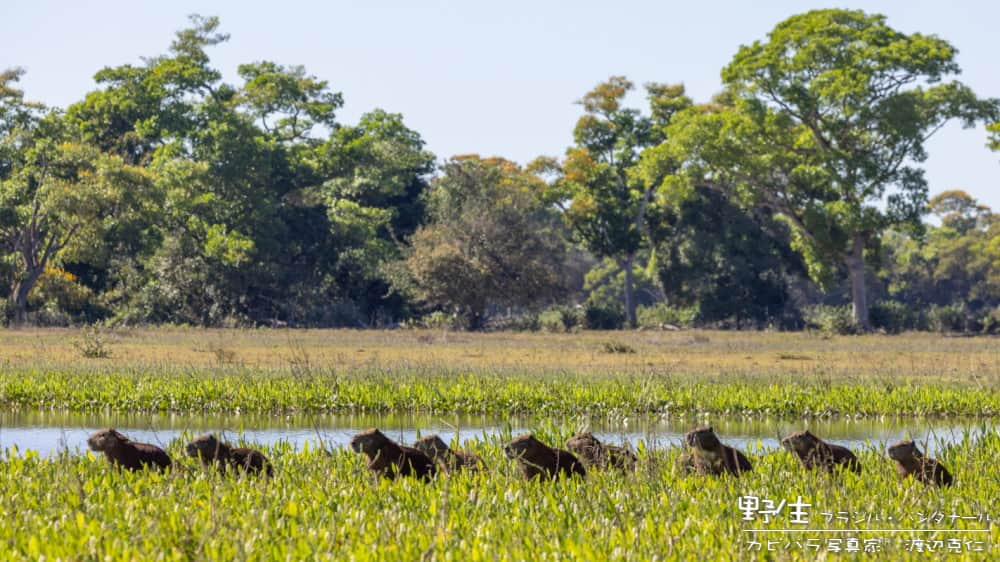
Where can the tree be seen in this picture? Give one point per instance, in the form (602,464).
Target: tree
(958,210)
(54,191)
(490,242)
(732,265)
(269,209)
(826,124)
(604,195)
(955,263)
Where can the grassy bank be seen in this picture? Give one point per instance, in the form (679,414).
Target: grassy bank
(327,506)
(592,373)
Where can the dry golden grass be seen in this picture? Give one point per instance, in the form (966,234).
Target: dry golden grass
(915,357)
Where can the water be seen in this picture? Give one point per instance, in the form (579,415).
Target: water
(51,432)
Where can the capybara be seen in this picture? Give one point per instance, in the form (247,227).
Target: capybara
(910,461)
(439,451)
(707,455)
(128,454)
(389,459)
(595,454)
(814,452)
(535,458)
(212,451)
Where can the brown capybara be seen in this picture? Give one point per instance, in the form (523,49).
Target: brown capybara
(707,455)
(439,451)
(816,453)
(535,458)
(128,454)
(595,454)
(389,459)
(224,456)
(910,461)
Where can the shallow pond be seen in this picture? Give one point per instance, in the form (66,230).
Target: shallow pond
(51,432)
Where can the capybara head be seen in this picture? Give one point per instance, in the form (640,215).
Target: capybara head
(368,441)
(904,450)
(800,442)
(432,446)
(105,439)
(521,445)
(583,442)
(206,447)
(702,438)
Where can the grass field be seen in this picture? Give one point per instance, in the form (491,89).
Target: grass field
(325,505)
(662,373)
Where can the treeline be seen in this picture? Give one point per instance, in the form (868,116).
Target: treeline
(792,198)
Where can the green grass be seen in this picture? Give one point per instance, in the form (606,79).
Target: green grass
(419,371)
(326,505)
(423,390)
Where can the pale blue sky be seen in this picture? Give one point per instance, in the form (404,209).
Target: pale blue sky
(495,78)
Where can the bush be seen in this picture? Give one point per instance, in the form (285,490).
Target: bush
(617,347)
(527,322)
(603,318)
(991,321)
(561,318)
(953,317)
(831,319)
(92,344)
(895,317)
(50,316)
(442,320)
(659,314)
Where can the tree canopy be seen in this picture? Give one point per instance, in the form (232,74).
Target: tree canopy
(825,124)
(169,194)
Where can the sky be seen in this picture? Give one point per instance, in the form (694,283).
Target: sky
(493,78)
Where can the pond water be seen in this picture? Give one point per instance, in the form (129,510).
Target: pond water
(51,432)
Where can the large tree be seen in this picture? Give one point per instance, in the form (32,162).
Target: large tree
(826,126)
(734,265)
(269,208)
(56,193)
(604,194)
(490,241)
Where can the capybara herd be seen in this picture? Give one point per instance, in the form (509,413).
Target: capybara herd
(390,459)
(223,456)
(705,454)
(127,454)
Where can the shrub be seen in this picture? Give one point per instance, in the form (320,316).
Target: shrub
(831,319)
(617,347)
(661,313)
(92,344)
(526,322)
(603,318)
(991,321)
(561,318)
(895,317)
(953,317)
(441,320)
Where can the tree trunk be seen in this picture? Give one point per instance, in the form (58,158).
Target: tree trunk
(476,320)
(859,295)
(19,296)
(629,297)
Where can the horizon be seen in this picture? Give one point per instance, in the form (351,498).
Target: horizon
(494,83)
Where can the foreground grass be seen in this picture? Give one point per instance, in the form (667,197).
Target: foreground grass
(325,505)
(401,371)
